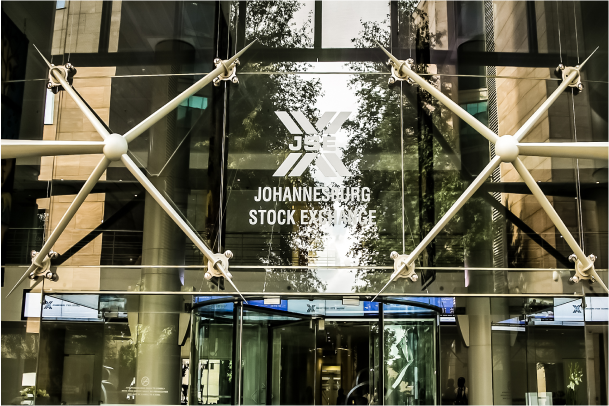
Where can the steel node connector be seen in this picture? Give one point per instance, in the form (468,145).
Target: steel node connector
(583,271)
(507,148)
(396,71)
(116,146)
(67,72)
(401,268)
(219,261)
(230,72)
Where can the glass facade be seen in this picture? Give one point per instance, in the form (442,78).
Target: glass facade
(311,169)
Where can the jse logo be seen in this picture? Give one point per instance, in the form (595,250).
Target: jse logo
(315,139)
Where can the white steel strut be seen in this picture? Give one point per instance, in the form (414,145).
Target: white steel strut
(508,148)
(114,147)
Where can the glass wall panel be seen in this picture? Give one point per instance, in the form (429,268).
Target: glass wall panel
(595,328)
(212,374)
(24,95)
(105,349)
(311,170)
(539,348)
(20,341)
(281,212)
(342,27)
(410,354)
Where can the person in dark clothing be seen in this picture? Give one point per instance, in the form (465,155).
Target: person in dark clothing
(461,392)
(340,399)
(448,397)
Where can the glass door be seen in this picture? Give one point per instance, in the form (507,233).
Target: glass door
(409,355)
(277,357)
(211,371)
(318,352)
(348,353)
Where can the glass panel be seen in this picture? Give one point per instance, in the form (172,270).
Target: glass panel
(453,360)
(212,374)
(130,348)
(283,365)
(161,35)
(20,341)
(269,213)
(596,316)
(211,157)
(266,372)
(344,27)
(511,24)
(24,93)
(314,280)
(349,361)
(531,360)
(410,357)
(279,25)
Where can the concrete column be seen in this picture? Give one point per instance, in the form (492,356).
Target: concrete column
(480,354)
(480,362)
(501,349)
(158,370)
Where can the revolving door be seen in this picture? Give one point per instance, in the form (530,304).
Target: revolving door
(303,352)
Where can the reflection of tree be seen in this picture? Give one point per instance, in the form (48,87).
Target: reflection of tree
(376,129)
(20,346)
(256,132)
(433,187)
(272,23)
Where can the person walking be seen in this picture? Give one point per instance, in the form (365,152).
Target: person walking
(448,397)
(461,392)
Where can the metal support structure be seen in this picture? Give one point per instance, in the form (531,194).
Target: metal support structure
(37,261)
(221,259)
(581,150)
(569,80)
(170,106)
(61,75)
(402,267)
(397,76)
(469,192)
(584,266)
(229,74)
(171,212)
(27,148)
(507,149)
(403,70)
(114,147)
(67,72)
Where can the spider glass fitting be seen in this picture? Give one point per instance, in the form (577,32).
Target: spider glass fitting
(508,148)
(114,147)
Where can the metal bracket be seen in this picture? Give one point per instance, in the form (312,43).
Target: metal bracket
(563,71)
(401,267)
(395,71)
(44,270)
(582,272)
(68,71)
(211,265)
(230,72)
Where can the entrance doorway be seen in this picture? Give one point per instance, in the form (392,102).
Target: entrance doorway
(304,352)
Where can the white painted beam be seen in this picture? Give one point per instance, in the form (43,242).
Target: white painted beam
(28,148)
